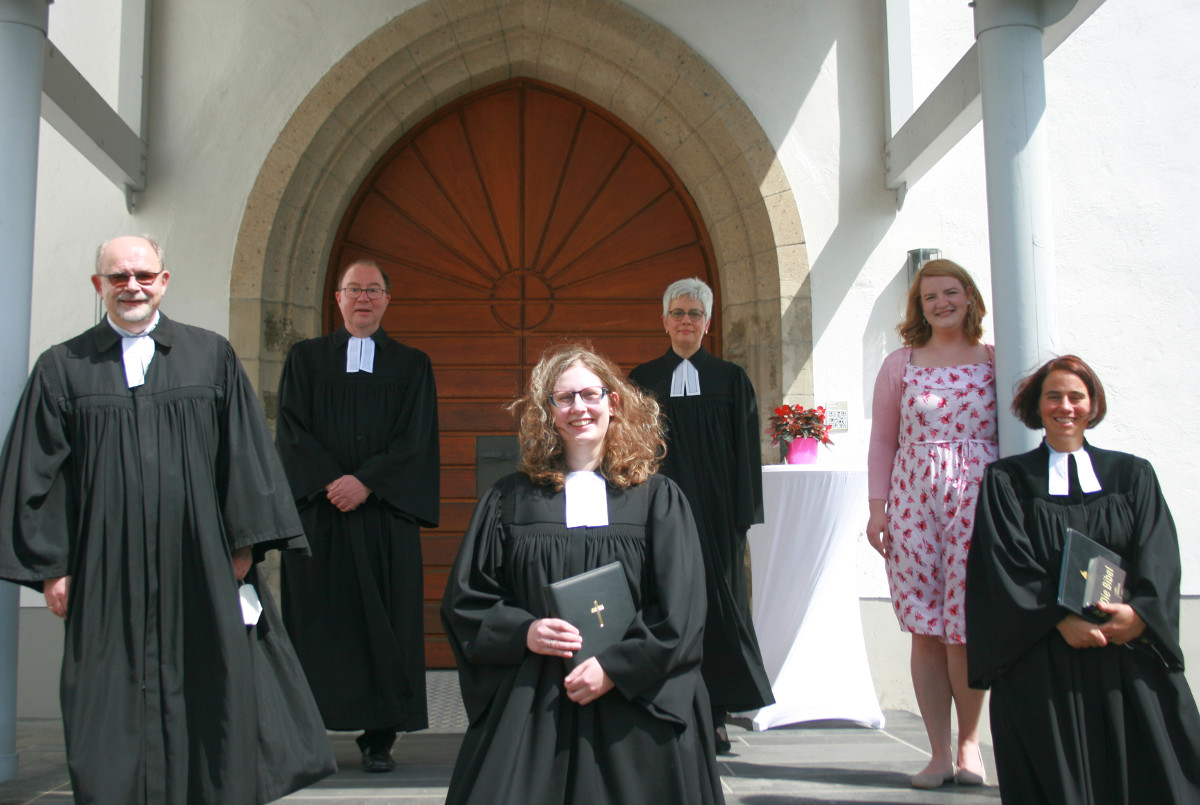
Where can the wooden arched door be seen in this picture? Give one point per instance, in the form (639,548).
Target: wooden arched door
(520,216)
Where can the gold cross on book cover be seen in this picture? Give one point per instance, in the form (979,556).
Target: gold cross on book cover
(577,601)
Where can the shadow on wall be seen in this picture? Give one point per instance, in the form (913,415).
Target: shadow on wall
(879,334)
(839,39)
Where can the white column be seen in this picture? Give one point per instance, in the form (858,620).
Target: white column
(1013,89)
(22,41)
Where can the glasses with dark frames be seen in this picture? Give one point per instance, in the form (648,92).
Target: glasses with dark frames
(591,395)
(694,314)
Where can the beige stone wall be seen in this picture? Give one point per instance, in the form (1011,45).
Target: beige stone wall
(604,51)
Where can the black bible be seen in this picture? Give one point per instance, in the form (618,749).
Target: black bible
(1091,574)
(597,603)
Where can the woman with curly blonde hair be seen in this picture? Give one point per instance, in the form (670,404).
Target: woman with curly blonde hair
(634,444)
(586,496)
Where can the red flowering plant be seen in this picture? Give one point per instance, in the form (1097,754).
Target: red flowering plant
(790,422)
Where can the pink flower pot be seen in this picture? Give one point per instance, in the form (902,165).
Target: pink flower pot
(802,451)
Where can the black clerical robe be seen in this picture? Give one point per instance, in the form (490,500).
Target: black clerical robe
(649,739)
(355,611)
(141,496)
(1079,726)
(713,454)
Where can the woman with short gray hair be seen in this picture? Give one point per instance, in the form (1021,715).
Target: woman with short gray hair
(693,287)
(713,454)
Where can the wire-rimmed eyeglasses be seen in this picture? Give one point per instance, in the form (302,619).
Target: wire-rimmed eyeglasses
(352,292)
(695,314)
(590,396)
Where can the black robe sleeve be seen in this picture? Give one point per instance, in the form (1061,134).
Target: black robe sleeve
(487,633)
(36,507)
(748,458)
(309,466)
(256,503)
(665,641)
(405,473)
(1011,596)
(1154,582)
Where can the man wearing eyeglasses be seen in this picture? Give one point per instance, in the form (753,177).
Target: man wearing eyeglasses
(357,431)
(138,484)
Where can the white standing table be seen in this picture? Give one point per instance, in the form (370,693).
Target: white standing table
(806,609)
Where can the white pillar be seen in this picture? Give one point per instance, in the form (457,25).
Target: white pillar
(22,42)
(1013,88)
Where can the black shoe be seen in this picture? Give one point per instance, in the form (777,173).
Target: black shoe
(377,760)
(724,746)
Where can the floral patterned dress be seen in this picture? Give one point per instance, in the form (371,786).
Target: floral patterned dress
(947,437)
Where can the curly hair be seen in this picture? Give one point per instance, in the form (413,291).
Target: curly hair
(634,445)
(915,331)
(1027,401)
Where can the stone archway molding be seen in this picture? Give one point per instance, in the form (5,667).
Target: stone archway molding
(605,51)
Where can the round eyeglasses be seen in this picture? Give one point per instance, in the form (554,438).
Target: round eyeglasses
(353,293)
(590,396)
(694,314)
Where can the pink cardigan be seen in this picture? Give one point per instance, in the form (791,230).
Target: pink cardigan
(885,420)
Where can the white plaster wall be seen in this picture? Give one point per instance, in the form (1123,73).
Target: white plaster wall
(226,76)
(813,74)
(1123,96)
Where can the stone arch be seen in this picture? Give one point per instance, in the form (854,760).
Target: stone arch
(605,51)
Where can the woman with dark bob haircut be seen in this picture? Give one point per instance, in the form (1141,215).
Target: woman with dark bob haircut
(1026,404)
(629,724)
(1084,711)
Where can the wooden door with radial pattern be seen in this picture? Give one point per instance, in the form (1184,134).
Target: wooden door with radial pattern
(519,217)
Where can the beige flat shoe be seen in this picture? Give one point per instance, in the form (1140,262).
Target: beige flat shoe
(927,781)
(967,777)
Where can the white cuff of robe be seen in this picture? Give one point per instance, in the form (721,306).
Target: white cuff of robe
(1060,483)
(587,499)
(685,380)
(360,354)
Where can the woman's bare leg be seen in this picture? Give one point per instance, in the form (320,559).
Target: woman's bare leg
(931,683)
(968,706)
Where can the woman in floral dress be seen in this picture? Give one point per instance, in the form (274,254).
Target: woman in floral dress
(932,434)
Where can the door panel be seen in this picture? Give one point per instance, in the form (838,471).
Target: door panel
(516,218)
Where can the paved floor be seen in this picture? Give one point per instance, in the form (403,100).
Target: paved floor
(829,762)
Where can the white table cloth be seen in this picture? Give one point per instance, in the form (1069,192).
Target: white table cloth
(806,609)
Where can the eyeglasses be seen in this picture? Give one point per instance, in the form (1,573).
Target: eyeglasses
(590,396)
(693,314)
(143,278)
(353,293)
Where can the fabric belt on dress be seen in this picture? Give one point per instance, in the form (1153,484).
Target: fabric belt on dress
(949,441)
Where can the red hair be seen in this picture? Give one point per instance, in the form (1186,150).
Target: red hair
(915,331)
